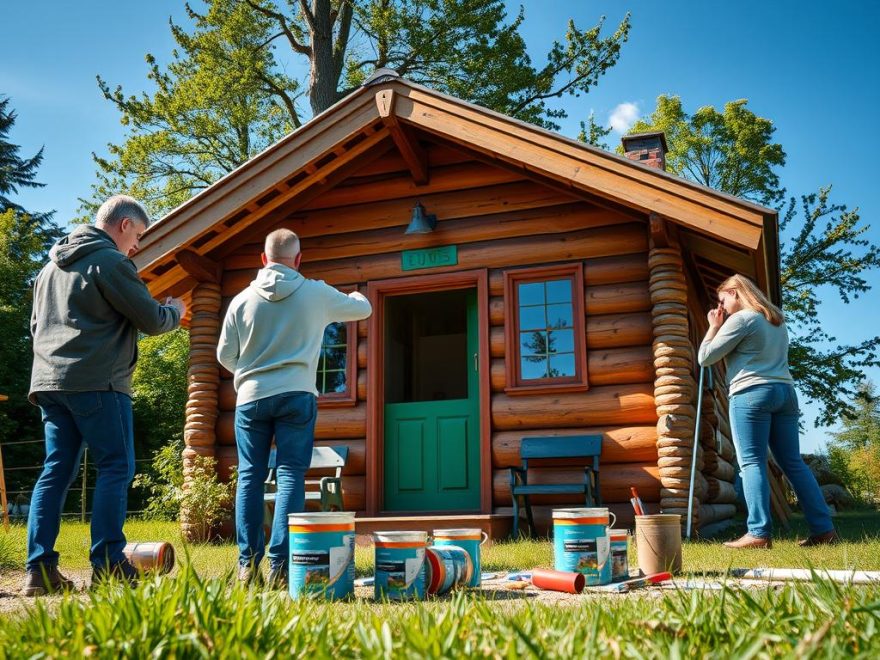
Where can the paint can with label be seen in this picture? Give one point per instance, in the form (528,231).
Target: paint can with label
(447,567)
(147,557)
(400,564)
(581,543)
(470,540)
(321,554)
(619,554)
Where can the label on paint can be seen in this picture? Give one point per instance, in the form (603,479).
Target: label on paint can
(321,554)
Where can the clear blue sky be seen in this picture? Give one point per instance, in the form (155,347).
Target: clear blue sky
(810,66)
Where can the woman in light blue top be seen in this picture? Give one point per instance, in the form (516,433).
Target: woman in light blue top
(748,331)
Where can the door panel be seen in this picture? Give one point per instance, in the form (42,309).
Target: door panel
(432,447)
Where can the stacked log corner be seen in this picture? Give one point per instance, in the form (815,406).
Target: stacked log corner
(203,380)
(674,386)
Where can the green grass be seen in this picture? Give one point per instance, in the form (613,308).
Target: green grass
(195,613)
(860,531)
(189,616)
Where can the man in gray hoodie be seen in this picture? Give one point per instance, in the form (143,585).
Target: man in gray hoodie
(271,341)
(89,305)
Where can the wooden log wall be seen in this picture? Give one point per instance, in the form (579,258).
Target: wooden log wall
(354,234)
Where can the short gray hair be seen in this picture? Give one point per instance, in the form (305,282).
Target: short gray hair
(118,207)
(282,244)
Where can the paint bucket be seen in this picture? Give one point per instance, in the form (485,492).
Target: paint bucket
(658,542)
(400,564)
(146,557)
(619,556)
(321,554)
(470,540)
(570,583)
(580,543)
(447,567)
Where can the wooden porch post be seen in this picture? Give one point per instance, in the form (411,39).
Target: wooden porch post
(674,386)
(203,377)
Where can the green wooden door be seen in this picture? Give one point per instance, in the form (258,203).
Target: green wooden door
(432,447)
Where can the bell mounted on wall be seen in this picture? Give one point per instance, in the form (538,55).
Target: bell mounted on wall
(421,222)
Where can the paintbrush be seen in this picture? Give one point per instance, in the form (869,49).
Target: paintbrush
(636,583)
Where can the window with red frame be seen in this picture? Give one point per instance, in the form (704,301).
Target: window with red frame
(545,329)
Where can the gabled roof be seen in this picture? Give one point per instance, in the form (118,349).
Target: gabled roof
(378,117)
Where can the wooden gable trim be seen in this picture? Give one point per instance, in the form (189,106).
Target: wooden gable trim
(270,172)
(415,157)
(555,157)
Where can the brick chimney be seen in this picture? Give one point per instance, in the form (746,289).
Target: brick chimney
(647,148)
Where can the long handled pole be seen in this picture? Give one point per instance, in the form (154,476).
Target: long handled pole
(694,453)
(3,397)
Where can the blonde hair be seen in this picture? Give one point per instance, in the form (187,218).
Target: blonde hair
(282,244)
(752,297)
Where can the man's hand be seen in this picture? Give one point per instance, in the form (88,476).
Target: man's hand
(177,304)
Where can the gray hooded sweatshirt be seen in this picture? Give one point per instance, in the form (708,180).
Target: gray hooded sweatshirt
(272,333)
(89,305)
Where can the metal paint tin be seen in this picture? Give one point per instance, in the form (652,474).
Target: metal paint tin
(146,557)
(581,543)
(447,567)
(321,554)
(470,540)
(400,564)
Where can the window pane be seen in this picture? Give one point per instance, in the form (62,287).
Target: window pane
(533,343)
(335,382)
(332,361)
(531,370)
(559,291)
(532,318)
(562,365)
(531,293)
(335,334)
(561,341)
(559,316)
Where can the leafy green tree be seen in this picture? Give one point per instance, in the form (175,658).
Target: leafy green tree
(24,238)
(227,93)
(855,451)
(730,150)
(594,134)
(825,249)
(159,403)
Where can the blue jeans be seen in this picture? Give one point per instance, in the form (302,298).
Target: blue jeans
(290,418)
(762,417)
(73,420)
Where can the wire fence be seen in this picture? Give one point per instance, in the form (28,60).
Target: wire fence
(19,499)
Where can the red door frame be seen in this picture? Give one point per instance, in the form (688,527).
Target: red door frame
(377,291)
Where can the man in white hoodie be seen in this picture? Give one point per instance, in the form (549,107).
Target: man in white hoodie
(271,342)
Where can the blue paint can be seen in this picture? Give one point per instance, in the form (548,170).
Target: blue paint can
(447,567)
(619,554)
(400,565)
(581,543)
(470,540)
(321,554)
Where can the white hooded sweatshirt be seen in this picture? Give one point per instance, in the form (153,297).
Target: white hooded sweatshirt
(272,333)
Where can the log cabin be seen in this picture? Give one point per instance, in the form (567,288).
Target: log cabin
(522,284)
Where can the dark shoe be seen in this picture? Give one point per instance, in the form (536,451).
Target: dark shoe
(277,579)
(250,576)
(45,580)
(828,538)
(749,541)
(122,571)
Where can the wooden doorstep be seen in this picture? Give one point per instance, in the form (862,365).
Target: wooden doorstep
(497,526)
